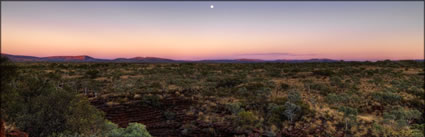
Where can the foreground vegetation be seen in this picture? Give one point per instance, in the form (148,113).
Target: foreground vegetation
(36,105)
(384,98)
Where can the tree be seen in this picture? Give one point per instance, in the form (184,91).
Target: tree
(350,115)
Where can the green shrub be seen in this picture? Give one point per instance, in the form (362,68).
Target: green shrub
(322,88)
(402,116)
(29,105)
(291,111)
(133,130)
(350,116)
(387,97)
(229,82)
(234,108)
(276,114)
(246,118)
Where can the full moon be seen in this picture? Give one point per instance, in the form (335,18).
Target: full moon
(212,6)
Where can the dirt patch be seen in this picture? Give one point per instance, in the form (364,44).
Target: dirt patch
(367,118)
(155,118)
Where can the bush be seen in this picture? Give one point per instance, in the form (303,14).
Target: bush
(284,86)
(152,100)
(350,115)
(402,116)
(133,130)
(29,106)
(322,88)
(246,118)
(291,111)
(234,108)
(294,96)
(229,82)
(323,72)
(333,98)
(387,97)
(169,115)
(92,74)
(276,114)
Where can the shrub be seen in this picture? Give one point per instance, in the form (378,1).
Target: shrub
(387,97)
(156,85)
(234,108)
(133,130)
(291,110)
(350,115)
(402,116)
(284,86)
(29,106)
(229,82)
(152,100)
(92,74)
(246,118)
(294,96)
(323,72)
(343,98)
(276,114)
(322,88)
(169,115)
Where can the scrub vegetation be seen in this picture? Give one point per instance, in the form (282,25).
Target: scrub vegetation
(384,98)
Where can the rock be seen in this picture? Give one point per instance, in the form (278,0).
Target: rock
(16,133)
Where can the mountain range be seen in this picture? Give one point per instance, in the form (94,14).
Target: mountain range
(85,58)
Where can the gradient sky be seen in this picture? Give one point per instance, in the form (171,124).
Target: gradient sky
(192,30)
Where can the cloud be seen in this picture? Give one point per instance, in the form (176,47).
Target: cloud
(275,54)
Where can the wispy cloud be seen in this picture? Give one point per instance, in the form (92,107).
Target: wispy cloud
(272,55)
(275,54)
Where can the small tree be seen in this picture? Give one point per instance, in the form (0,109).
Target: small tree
(350,115)
(291,110)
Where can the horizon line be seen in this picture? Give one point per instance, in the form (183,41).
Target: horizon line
(374,60)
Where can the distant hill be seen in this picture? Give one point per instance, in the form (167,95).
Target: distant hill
(85,58)
(82,58)
(144,59)
(19,58)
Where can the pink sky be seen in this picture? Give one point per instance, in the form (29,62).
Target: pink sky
(353,35)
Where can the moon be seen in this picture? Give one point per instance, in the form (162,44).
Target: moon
(212,6)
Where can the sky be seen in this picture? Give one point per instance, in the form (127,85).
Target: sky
(191,30)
